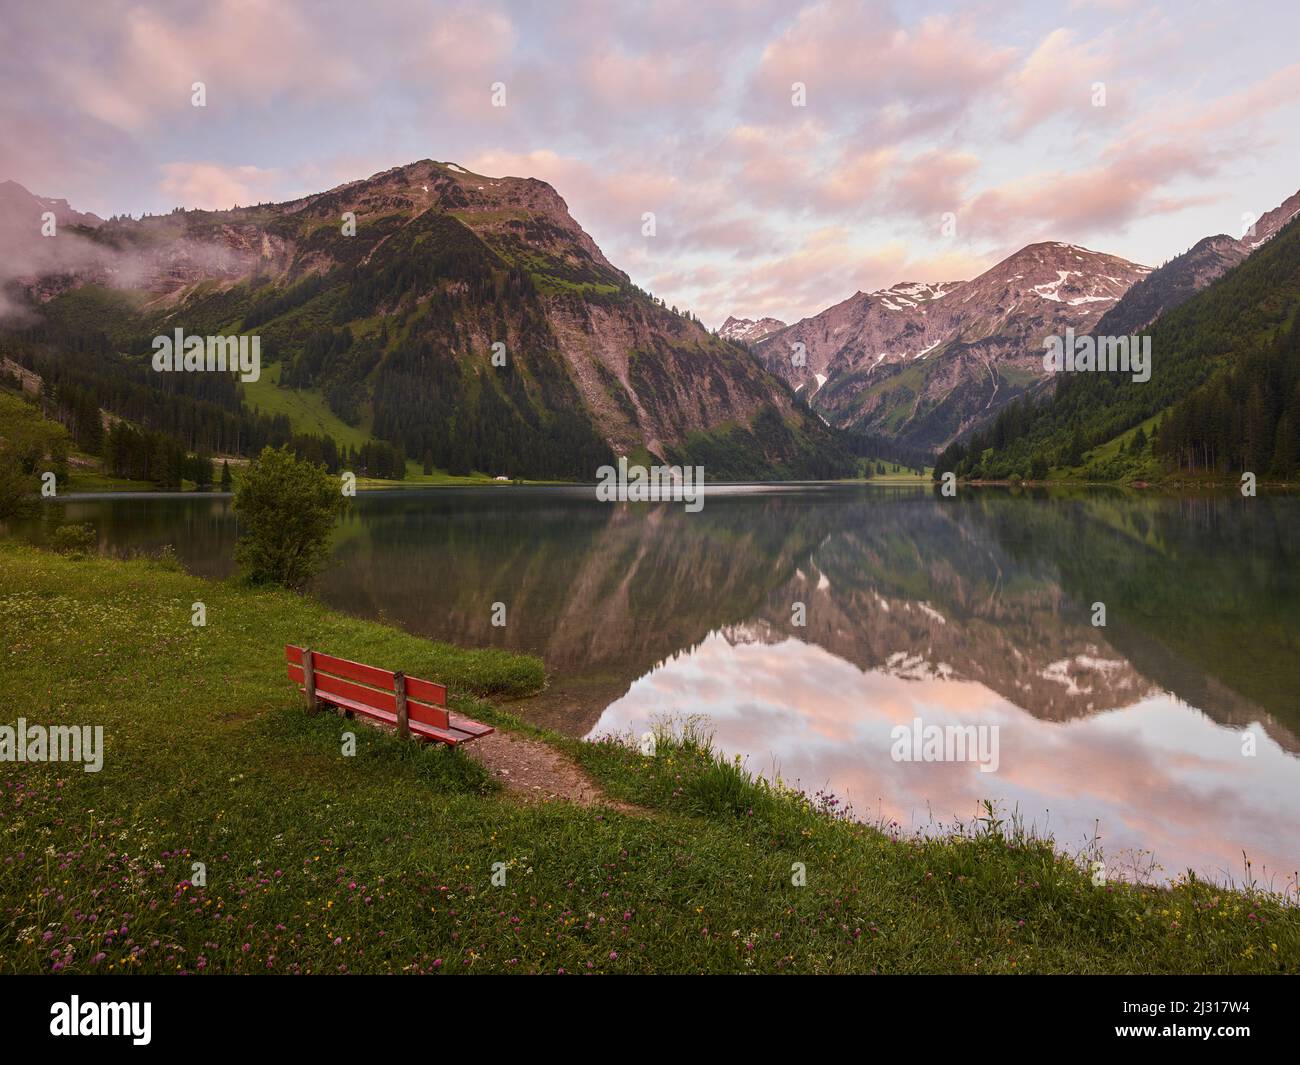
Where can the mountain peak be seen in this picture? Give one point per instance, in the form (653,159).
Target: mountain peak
(1267,227)
(1061,250)
(17,201)
(749,330)
(508,212)
(924,361)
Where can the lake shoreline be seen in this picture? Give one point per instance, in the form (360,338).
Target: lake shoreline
(984,900)
(1172,483)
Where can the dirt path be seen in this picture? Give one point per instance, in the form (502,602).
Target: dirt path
(536,772)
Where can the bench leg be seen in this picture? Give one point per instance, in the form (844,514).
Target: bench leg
(309,681)
(399,689)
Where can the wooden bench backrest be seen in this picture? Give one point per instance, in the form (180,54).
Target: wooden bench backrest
(426,701)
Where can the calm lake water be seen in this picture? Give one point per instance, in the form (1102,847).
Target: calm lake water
(969,612)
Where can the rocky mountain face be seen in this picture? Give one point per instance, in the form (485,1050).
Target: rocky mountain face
(20,212)
(749,330)
(1185,275)
(925,362)
(32,258)
(160,259)
(392,295)
(1268,227)
(1170,285)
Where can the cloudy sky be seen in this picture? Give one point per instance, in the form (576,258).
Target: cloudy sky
(987,112)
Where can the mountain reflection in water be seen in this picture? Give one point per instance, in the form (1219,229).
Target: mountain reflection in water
(974,611)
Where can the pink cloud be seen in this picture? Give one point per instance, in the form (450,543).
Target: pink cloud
(1133,176)
(851,53)
(460,57)
(929,184)
(611,199)
(773,166)
(212,187)
(855,179)
(242,50)
(1058,76)
(651,78)
(679,108)
(828,266)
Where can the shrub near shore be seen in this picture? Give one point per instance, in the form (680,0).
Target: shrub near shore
(383,862)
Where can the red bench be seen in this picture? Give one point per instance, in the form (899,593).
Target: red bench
(416,707)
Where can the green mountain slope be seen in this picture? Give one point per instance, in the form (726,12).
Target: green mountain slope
(466,322)
(1224,372)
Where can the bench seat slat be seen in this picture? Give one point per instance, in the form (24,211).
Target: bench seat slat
(454,734)
(465,724)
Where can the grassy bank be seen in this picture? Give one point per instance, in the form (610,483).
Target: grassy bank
(317,862)
(88,477)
